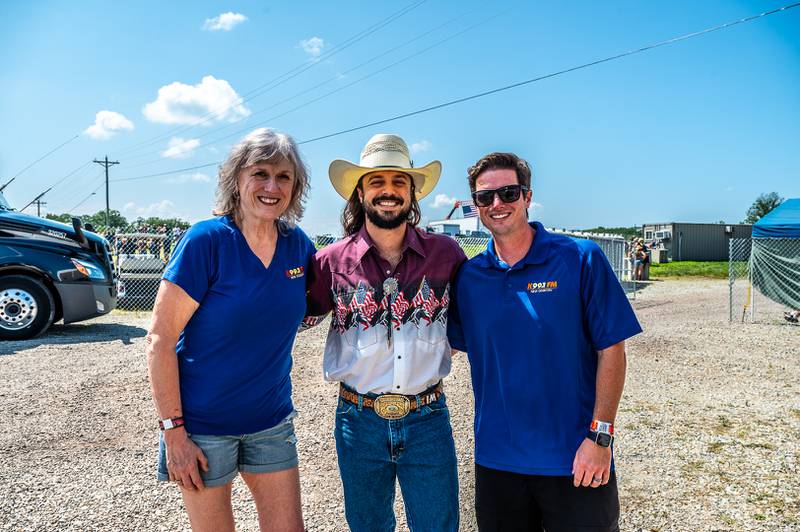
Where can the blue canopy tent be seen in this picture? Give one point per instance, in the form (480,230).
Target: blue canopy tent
(781,222)
(775,254)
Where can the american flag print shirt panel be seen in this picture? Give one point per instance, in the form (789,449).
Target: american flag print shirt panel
(347,280)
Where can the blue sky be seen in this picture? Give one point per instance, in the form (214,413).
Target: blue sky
(688,132)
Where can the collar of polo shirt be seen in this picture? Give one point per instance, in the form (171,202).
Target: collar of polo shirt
(537,254)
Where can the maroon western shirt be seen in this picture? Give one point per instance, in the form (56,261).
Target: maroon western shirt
(348,279)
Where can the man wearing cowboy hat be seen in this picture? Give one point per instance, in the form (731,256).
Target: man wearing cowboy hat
(387,284)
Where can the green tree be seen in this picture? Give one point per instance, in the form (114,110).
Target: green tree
(98,220)
(627,232)
(761,206)
(155,221)
(63,218)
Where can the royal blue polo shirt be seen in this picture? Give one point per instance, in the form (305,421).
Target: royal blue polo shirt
(532,332)
(234,355)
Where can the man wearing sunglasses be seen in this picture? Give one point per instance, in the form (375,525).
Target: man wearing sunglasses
(387,284)
(543,320)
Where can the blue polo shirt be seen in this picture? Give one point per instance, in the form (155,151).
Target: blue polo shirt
(234,355)
(532,333)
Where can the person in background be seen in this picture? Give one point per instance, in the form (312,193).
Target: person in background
(219,345)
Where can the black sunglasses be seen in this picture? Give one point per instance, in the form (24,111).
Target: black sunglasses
(507,194)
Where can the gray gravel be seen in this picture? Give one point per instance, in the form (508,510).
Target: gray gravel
(707,432)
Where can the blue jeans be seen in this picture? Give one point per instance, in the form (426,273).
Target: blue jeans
(417,450)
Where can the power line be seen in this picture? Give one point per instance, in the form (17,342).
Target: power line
(314,100)
(84,200)
(45,156)
(78,183)
(167,173)
(554,74)
(513,85)
(286,76)
(34,200)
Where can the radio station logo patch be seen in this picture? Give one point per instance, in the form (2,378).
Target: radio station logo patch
(538,288)
(295,273)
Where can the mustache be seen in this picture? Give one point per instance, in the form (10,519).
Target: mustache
(388,197)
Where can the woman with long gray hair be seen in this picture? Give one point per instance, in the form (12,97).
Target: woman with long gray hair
(219,345)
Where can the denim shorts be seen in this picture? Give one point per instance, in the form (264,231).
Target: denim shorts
(267,451)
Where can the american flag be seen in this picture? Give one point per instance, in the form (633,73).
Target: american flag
(426,299)
(399,308)
(468,209)
(363,305)
(444,303)
(340,316)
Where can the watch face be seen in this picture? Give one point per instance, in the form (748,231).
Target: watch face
(603,439)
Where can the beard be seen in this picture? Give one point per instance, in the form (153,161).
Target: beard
(386,221)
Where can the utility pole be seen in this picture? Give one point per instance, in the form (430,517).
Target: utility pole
(39,204)
(37,198)
(106,163)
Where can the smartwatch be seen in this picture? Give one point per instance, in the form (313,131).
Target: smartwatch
(601,432)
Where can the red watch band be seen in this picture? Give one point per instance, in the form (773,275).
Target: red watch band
(170,423)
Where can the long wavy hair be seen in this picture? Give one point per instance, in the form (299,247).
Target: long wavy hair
(353,215)
(262,146)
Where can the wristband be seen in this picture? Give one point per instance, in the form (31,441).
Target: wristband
(170,423)
(602,426)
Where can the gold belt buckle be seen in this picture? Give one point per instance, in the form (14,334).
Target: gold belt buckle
(392,406)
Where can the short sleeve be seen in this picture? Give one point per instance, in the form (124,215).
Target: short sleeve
(318,294)
(455,331)
(191,265)
(306,246)
(607,312)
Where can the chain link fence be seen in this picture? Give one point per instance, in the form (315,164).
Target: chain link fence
(140,257)
(764,280)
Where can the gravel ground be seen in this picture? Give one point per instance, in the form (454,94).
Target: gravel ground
(707,430)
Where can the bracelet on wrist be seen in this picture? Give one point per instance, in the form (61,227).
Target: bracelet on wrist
(170,423)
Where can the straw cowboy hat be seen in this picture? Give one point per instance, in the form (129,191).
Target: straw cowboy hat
(383,152)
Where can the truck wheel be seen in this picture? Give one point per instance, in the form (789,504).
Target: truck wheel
(26,307)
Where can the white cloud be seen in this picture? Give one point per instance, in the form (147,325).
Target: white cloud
(180,148)
(224,22)
(197,177)
(421,146)
(178,103)
(106,124)
(536,206)
(163,209)
(442,200)
(312,46)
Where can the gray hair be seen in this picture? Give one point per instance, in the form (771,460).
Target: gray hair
(262,146)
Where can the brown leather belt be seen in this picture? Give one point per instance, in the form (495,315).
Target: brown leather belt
(392,406)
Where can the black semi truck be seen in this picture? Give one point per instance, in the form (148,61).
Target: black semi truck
(50,271)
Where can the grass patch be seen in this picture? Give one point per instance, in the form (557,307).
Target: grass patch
(692,467)
(688,268)
(723,424)
(715,447)
(760,445)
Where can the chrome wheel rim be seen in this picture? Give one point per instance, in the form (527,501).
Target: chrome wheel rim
(18,309)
